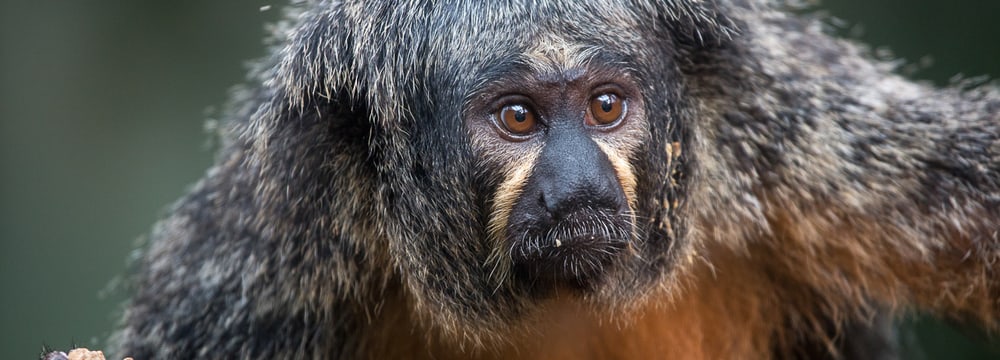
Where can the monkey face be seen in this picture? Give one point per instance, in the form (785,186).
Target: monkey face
(561,133)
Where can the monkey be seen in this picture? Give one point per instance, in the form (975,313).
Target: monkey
(647,179)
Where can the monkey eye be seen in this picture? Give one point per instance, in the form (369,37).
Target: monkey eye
(606,109)
(517,119)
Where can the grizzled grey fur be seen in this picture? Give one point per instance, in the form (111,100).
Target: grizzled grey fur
(347,211)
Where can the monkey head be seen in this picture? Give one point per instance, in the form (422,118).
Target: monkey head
(507,152)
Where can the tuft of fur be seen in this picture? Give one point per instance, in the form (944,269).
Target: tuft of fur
(788,188)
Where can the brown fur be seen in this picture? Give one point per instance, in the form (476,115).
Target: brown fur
(784,190)
(720,311)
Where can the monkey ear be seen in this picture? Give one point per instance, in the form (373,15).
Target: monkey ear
(308,91)
(316,65)
(331,59)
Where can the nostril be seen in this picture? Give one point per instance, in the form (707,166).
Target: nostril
(546,203)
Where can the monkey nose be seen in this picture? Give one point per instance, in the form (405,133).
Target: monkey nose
(562,201)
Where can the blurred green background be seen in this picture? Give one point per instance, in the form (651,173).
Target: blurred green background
(102,112)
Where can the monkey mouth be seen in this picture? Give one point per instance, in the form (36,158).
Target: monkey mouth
(574,251)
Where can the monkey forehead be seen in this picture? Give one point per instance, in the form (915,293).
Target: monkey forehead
(557,59)
(551,37)
(390,53)
(523,48)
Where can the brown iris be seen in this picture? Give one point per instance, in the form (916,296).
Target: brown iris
(517,119)
(605,109)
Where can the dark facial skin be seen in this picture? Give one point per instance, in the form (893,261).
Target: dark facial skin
(571,218)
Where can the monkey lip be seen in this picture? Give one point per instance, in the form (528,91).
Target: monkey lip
(574,252)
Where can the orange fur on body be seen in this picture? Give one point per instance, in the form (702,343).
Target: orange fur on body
(722,311)
(749,303)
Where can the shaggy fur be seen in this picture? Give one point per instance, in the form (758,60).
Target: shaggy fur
(787,190)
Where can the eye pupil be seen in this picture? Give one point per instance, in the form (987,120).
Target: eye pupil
(520,115)
(606,103)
